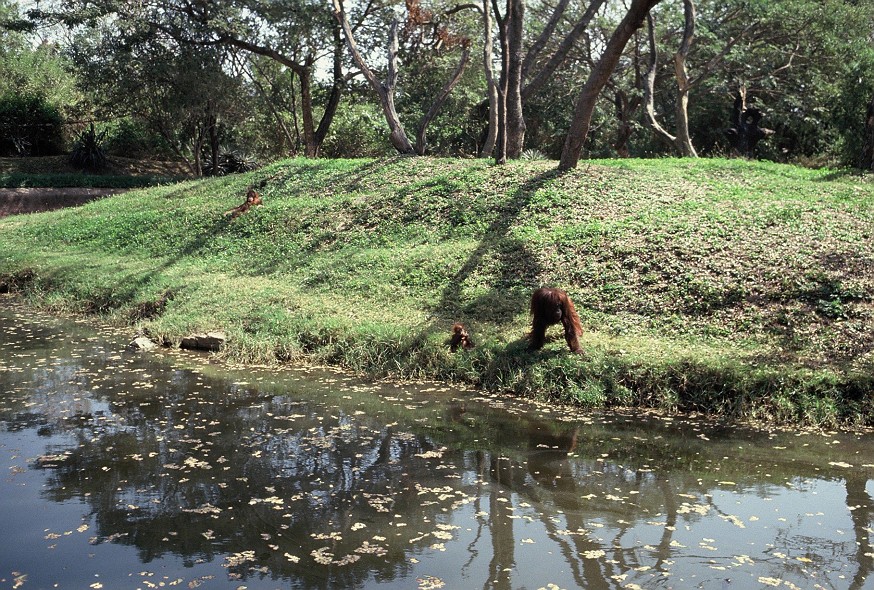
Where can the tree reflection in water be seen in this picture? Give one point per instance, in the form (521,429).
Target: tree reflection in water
(311,480)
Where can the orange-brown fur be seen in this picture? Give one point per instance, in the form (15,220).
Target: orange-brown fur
(553,306)
(460,337)
(252,199)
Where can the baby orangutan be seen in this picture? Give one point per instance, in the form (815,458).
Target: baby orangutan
(460,337)
(252,199)
(552,306)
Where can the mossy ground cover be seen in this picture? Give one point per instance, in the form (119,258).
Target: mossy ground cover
(738,288)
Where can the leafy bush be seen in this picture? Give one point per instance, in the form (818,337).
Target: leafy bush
(29,126)
(130,138)
(88,152)
(857,89)
(357,131)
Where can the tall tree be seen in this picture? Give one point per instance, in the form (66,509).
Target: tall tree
(187,97)
(598,78)
(491,83)
(524,73)
(385,90)
(682,141)
(515,122)
(262,28)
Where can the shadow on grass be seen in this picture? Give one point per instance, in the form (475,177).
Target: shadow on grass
(515,273)
(518,271)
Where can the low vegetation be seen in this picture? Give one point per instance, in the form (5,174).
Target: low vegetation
(59,172)
(736,288)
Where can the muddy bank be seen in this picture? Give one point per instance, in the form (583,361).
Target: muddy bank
(14,201)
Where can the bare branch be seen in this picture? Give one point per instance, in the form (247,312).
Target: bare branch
(649,88)
(562,52)
(544,36)
(384,91)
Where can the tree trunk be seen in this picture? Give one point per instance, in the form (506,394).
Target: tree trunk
(438,102)
(683,141)
(501,138)
(623,117)
(336,92)
(306,106)
(649,89)
(295,118)
(867,160)
(212,126)
(197,148)
(489,143)
(387,93)
(515,119)
(385,90)
(598,77)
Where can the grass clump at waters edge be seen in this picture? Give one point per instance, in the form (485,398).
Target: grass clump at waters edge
(736,288)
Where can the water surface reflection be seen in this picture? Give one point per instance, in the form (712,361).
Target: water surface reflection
(126,470)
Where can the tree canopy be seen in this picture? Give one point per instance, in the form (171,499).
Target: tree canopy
(558,78)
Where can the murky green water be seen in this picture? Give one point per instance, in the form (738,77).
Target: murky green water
(133,470)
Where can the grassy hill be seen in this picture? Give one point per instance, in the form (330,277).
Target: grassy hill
(738,288)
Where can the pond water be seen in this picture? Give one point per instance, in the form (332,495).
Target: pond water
(147,470)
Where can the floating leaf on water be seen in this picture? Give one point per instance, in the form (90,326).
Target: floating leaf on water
(236,559)
(733,520)
(367,548)
(322,556)
(430,583)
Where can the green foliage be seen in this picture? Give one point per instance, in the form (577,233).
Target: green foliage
(29,125)
(358,131)
(130,137)
(88,153)
(857,90)
(533,155)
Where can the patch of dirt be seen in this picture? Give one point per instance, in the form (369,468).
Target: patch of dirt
(15,201)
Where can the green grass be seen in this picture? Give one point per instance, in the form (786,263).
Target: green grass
(736,288)
(65,180)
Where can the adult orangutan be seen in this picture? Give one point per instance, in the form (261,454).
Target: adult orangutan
(460,337)
(553,306)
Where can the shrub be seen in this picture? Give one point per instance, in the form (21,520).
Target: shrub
(29,126)
(130,138)
(229,163)
(88,152)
